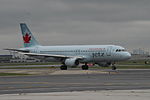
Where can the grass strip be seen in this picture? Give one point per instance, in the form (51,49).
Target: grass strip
(19,64)
(29,67)
(12,74)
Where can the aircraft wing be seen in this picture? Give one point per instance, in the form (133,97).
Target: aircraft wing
(26,52)
(51,55)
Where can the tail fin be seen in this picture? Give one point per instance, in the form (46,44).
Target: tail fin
(28,38)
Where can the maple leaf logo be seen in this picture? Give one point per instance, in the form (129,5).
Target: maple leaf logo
(26,38)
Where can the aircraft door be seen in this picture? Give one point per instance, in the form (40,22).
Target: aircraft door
(109,51)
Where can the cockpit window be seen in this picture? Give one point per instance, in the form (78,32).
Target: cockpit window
(120,50)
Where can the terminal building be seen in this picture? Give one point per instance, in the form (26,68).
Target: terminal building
(140,52)
(17,58)
(5,58)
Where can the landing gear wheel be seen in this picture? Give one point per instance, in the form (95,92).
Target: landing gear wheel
(114,67)
(63,67)
(85,67)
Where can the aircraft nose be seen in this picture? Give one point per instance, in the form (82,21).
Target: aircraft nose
(128,55)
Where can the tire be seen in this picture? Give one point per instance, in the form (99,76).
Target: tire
(85,67)
(114,68)
(63,67)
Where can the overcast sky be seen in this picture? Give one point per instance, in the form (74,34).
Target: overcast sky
(63,22)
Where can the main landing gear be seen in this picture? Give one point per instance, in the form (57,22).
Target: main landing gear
(85,67)
(63,67)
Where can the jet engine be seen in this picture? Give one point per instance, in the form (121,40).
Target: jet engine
(72,62)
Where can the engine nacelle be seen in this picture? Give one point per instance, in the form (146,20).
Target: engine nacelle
(72,62)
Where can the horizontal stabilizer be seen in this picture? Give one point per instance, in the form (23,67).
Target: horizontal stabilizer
(18,50)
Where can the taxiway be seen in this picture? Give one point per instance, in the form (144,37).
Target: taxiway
(76,80)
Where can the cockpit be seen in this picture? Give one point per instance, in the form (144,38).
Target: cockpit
(120,50)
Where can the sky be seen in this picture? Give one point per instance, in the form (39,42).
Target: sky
(72,22)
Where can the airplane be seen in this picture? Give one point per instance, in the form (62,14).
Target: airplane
(72,55)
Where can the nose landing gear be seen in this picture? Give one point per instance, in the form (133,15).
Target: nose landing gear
(113,66)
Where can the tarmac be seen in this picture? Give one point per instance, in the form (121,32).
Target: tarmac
(75,84)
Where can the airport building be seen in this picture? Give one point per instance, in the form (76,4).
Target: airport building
(140,52)
(17,58)
(5,58)
(140,57)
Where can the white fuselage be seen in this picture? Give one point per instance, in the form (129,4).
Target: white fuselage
(91,53)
